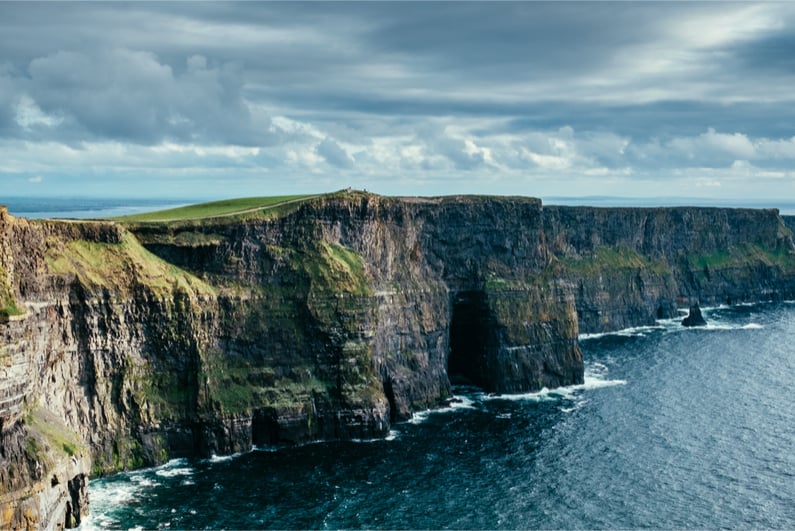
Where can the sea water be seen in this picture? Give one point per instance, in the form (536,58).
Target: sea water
(673,428)
(85,207)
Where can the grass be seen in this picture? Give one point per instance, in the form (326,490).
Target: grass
(337,269)
(114,265)
(8,306)
(49,434)
(742,256)
(10,309)
(613,258)
(228,207)
(237,385)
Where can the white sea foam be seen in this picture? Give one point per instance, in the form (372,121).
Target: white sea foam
(675,325)
(634,331)
(536,396)
(456,403)
(577,405)
(222,458)
(723,326)
(119,494)
(266,448)
(595,378)
(595,335)
(143,481)
(391,436)
(173,472)
(596,383)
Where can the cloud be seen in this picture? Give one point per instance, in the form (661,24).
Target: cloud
(440,96)
(334,154)
(36,179)
(130,95)
(714,146)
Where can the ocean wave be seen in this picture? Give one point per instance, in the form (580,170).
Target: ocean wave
(456,403)
(222,458)
(675,325)
(174,472)
(723,326)
(391,436)
(592,381)
(634,331)
(578,404)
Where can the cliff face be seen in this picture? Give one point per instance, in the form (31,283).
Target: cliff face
(789,221)
(331,318)
(388,279)
(631,266)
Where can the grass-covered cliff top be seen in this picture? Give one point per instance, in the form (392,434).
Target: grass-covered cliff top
(216,209)
(273,207)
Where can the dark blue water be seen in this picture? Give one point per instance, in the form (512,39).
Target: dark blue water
(86,207)
(674,428)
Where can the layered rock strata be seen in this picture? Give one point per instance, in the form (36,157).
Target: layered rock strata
(124,346)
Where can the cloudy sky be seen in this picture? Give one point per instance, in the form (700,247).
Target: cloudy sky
(207,100)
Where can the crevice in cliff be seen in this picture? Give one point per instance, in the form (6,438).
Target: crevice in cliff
(470,334)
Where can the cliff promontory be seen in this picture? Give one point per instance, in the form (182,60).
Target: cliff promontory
(125,344)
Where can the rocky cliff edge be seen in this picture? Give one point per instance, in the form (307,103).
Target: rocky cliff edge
(334,317)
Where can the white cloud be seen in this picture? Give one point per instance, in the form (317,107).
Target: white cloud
(28,114)
(36,179)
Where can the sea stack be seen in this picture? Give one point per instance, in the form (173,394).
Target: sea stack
(694,318)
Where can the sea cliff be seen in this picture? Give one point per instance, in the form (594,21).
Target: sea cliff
(127,344)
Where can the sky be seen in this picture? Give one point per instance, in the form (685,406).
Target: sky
(215,100)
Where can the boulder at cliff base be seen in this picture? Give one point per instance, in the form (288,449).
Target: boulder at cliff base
(694,318)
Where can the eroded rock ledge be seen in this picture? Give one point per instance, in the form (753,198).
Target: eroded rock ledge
(124,346)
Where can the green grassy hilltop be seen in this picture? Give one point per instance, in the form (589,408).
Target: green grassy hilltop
(215,209)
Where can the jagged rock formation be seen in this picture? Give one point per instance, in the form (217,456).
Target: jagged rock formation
(330,318)
(694,317)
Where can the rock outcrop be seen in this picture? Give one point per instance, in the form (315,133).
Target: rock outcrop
(694,317)
(330,318)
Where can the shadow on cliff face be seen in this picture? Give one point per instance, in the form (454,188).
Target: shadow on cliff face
(470,341)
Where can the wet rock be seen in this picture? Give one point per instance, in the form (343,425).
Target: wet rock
(694,317)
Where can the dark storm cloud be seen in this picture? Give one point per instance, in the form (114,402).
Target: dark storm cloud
(561,89)
(120,70)
(132,96)
(514,39)
(770,54)
(663,119)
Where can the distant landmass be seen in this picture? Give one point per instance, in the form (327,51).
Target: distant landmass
(786,207)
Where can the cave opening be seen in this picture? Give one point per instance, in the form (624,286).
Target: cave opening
(470,332)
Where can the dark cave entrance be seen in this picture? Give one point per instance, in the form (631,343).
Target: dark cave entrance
(470,341)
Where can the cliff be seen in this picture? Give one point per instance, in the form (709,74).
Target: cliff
(125,345)
(789,221)
(630,266)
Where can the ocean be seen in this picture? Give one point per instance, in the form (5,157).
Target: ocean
(85,207)
(673,428)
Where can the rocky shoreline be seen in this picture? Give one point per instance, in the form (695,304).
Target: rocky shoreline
(124,346)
